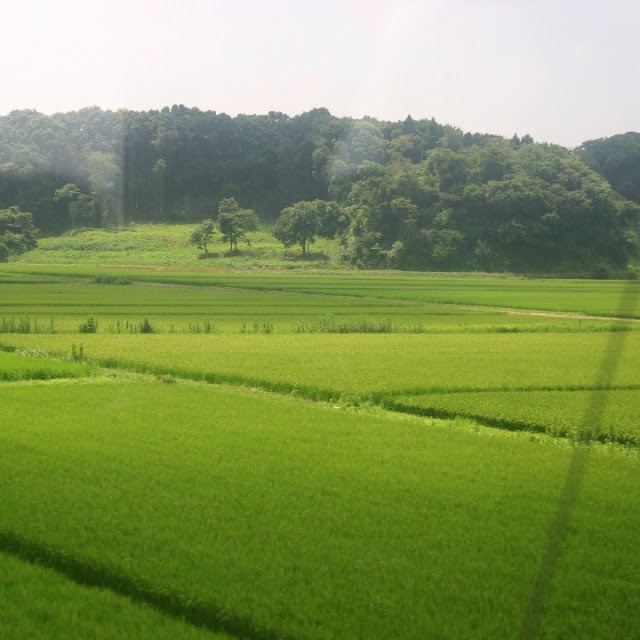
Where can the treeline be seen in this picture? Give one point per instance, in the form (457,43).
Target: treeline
(495,205)
(411,194)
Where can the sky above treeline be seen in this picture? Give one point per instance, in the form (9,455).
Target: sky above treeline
(563,71)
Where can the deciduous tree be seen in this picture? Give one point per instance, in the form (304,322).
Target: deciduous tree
(298,224)
(235,223)
(202,234)
(17,232)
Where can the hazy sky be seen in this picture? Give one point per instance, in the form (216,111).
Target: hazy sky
(563,71)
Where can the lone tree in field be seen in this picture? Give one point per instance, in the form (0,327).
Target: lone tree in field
(298,224)
(234,223)
(202,234)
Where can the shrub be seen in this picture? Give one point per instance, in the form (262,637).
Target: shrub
(90,325)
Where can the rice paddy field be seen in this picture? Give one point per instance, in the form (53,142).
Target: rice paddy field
(297,455)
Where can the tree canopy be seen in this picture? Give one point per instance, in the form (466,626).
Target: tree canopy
(298,224)
(618,160)
(17,232)
(202,234)
(235,223)
(407,194)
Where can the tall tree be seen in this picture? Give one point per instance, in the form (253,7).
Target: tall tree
(299,224)
(202,234)
(17,232)
(80,206)
(235,223)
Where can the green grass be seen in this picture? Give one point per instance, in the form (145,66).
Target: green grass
(324,366)
(40,604)
(556,412)
(271,517)
(166,244)
(594,541)
(34,365)
(312,522)
(63,307)
(591,297)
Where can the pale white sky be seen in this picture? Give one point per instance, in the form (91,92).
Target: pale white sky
(563,71)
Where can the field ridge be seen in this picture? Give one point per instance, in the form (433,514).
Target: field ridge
(92,574)
(507,424)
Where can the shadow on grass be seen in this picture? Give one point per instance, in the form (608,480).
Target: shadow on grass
(205,615)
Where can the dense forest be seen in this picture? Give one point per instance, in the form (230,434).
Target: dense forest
(617,159)
(413,194)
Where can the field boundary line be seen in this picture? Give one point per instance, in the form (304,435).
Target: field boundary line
(205,615)
(419,391)
(504,423)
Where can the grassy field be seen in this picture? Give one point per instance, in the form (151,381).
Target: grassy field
(41,604)
(63,307)
(166,244)
(344,525)
(590,297)
(67,305)
(30,365)
(327,366)
(230,451)
(556,412)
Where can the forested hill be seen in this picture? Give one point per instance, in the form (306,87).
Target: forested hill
(617,159)
(177,163)
(414,194)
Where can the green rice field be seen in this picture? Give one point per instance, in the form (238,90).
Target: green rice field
(327,366)
(31,365)
(557,412)
(301,518)
(299,455)
(40,604)
(591,297)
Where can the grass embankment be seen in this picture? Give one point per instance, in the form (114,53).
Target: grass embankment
(313,523)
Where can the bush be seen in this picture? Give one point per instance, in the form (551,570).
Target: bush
(146,327)
(90,325)
(106,279)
